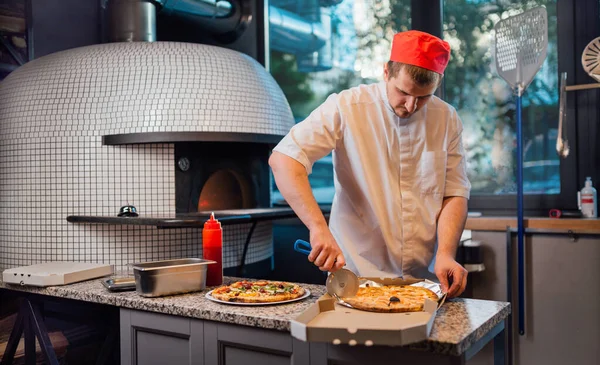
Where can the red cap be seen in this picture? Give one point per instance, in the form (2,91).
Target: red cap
(212,223)
(421,49)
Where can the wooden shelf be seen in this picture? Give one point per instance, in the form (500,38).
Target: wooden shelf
(582,87)
(578,225)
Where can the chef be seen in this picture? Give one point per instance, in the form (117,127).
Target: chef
(401,186)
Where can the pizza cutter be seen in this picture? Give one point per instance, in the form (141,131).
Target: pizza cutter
(341,283)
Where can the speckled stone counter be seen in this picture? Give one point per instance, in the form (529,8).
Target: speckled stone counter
(459,323)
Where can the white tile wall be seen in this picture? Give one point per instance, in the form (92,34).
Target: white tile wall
(53,114)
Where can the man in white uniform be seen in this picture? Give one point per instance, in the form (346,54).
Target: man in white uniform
(400,177)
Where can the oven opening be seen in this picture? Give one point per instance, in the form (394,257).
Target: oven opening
(211,176)
(226,189)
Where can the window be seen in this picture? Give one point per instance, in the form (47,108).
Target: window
(360,34)
(308,71)
(486,103)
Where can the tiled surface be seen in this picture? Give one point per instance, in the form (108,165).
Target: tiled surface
(459,323)
(142,87)
(53,114)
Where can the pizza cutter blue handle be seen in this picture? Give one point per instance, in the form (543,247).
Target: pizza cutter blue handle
(302,247)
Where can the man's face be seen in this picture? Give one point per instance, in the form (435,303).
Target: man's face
(405,96)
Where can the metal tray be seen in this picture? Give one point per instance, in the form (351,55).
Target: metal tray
(119,284)
(169,277)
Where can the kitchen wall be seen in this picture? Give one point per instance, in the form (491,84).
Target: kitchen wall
(64,24)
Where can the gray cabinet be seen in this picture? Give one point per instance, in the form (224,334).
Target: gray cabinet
(228,344)
(153,338)
(557,269)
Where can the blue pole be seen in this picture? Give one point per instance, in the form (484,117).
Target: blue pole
(520,230)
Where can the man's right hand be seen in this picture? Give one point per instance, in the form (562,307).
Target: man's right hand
(325,253)
(291,178)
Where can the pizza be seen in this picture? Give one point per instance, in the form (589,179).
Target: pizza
(262,291)
(391,298)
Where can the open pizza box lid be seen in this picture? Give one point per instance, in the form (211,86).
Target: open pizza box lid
(326,321)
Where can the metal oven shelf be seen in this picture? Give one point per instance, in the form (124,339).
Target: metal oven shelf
(196,220)
(192,220)
(172,137)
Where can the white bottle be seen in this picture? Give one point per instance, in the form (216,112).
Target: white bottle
(588,200)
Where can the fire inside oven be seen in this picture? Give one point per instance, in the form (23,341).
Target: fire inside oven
(212,176)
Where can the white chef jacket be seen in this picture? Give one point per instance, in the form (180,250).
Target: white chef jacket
(390,175)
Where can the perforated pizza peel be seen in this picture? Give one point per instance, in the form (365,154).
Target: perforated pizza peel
(520,50)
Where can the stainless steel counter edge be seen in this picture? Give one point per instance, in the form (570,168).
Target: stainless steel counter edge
(458,324)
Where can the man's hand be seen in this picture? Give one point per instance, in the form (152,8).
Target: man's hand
(325,253)
(292,180)
(448,271)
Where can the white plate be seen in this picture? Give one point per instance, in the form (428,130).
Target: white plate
(213,299)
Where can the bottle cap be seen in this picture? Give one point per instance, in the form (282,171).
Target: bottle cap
(212,223)
(588,182)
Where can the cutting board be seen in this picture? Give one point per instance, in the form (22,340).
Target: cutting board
(55,273)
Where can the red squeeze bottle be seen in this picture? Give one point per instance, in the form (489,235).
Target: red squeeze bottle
(212,246)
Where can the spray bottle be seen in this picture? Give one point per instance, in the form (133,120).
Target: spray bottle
(587,200)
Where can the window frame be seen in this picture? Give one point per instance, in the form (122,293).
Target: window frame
(576,27)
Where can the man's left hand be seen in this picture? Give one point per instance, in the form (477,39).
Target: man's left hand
(451,274)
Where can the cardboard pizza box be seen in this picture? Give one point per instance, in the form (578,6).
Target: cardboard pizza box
(326,321)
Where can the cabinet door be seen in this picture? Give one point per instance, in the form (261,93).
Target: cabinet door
(226,344)
(561,296)
(152,338)
(561,301)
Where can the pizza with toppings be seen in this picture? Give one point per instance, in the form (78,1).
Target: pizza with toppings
(262,291)
(391,298)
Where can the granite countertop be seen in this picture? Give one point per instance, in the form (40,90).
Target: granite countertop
(458,324)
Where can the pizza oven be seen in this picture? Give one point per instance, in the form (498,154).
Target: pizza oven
(175,129)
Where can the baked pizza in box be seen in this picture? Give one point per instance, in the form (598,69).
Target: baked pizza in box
(393,312)
(391,296)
